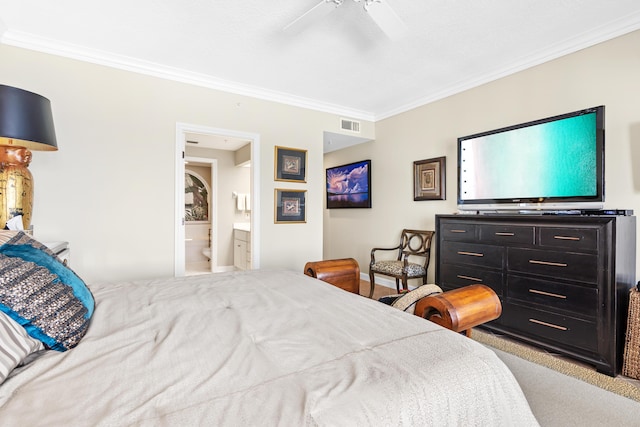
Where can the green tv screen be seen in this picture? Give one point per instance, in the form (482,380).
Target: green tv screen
(558,159)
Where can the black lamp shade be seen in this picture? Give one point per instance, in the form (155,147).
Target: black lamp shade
(26,120)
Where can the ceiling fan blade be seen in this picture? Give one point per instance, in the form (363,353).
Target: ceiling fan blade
(387,19)
(320,10)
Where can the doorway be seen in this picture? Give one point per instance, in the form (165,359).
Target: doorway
(201,225)
(183,131)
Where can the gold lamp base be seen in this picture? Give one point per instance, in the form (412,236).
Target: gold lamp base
(16,185)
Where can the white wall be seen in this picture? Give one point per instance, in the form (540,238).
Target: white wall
(607,74)
(110,188)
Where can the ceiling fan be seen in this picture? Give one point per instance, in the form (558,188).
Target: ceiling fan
(379,10)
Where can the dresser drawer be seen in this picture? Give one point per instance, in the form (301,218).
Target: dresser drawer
(458,232)
(576,239)
(565,330)
(456,276)
(506,234)
(565,265)
(577,299)
(473,254)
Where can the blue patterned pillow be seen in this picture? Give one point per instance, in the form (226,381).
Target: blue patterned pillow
(42,294)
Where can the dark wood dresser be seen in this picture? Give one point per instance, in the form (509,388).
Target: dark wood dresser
(563,280)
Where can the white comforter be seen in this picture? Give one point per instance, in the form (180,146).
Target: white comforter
(260,348)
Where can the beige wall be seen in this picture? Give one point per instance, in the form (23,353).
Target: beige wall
(242,155)
(607,74)
(110,189)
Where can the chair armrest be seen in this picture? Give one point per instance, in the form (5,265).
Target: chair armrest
(373,259)
(406,256)
(425,255)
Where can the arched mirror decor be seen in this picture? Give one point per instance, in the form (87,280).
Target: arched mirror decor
(196,198)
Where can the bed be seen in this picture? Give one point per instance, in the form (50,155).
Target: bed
(257,348)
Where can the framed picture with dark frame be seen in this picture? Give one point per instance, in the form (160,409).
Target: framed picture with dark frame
(290,206)
(429,179)
(349,186)
(290,164)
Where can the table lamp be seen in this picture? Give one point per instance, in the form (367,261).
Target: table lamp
(26,123)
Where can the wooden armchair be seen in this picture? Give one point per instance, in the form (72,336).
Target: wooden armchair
(413,244)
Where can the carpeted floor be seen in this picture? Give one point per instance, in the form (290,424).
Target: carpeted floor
(559,400)
(623,386)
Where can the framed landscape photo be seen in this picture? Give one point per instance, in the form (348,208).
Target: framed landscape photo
(349,186)
(429,179)
(290,164)
(290,206)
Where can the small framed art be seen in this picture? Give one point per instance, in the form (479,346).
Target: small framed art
(429,179)
(290,206)
(290,164)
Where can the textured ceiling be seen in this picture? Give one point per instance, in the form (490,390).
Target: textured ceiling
(341,62)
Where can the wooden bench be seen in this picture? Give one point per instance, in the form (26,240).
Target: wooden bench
(461,309)
(343,273)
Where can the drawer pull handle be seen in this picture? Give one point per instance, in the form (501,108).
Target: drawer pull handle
(458,231)
(566,238)
(470,253)
(550,325)
(475,279)
(554,264)
(501,233)
(549,294)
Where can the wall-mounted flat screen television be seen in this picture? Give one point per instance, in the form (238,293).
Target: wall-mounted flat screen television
(555,163)
(349,186)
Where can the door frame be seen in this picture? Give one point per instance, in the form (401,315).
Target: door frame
(181,130)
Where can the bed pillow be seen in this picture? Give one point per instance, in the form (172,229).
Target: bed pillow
(6,235)
(15,345)
(42,294)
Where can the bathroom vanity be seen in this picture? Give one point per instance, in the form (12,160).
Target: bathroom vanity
(242,246)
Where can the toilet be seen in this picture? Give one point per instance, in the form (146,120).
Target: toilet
(207,252)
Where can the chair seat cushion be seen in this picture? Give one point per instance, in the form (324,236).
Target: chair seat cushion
(394,268)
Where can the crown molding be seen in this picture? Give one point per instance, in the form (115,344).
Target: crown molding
(587,39)
(55,47)
(582,41)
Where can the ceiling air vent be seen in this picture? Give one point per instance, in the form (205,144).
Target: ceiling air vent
(350,125)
